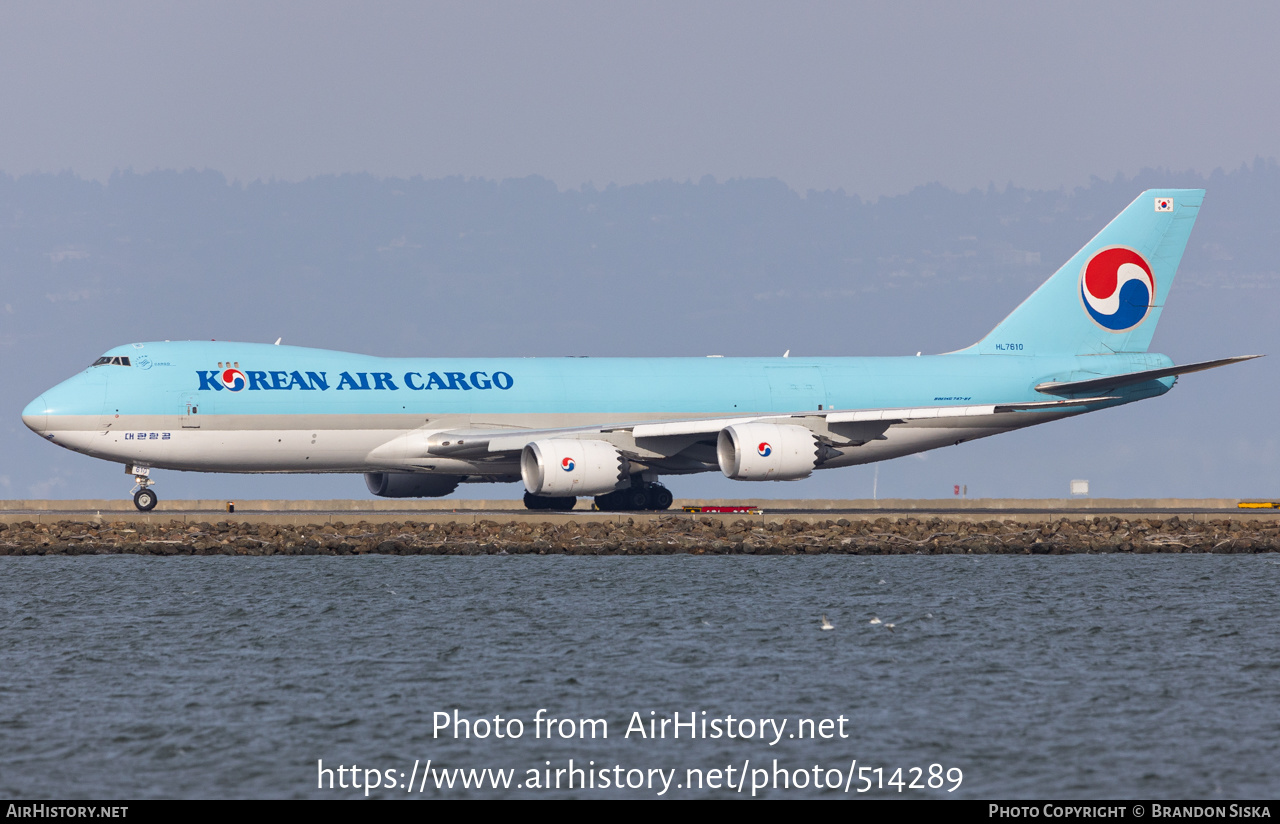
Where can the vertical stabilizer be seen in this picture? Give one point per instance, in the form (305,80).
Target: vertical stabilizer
(1108,297)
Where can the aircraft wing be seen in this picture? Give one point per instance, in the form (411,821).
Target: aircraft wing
(667,438)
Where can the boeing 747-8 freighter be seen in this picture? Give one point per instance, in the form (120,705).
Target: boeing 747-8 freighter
(611,427)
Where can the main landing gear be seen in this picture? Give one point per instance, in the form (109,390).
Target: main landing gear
(545,503)
(639,496)
(144,497)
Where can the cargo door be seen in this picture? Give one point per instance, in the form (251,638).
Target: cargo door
(796,388)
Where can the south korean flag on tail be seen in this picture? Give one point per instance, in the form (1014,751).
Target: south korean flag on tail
(1164,204)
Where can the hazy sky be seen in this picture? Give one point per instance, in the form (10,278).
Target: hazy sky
(872,97)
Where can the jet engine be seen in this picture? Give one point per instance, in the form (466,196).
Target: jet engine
(410,484)
(560,467)
(767,452)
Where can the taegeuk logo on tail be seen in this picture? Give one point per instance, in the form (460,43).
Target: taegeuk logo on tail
(1117,288)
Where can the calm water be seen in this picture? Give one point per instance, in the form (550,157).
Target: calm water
(1076,676)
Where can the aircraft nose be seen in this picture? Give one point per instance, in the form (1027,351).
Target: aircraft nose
(36,416)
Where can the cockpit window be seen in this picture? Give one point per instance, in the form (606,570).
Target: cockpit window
(112,361)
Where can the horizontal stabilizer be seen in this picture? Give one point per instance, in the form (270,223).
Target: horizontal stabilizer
(1130,378)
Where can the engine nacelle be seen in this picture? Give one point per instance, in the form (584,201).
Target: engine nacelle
(767,452)
(410,484)
(560,467)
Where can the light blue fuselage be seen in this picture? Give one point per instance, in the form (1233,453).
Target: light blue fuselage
(172,395)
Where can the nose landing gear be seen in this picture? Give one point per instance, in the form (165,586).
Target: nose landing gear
(144,498)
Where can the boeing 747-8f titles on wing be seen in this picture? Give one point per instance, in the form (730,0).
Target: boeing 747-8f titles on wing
(417,427)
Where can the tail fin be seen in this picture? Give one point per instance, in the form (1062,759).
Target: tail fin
(1108,297)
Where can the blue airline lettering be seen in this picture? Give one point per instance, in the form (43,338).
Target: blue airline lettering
(281,379)
(350,382)
(209,380)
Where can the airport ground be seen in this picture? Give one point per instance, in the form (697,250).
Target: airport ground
(781,527)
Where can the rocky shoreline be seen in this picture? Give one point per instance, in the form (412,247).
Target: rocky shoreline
(662,536)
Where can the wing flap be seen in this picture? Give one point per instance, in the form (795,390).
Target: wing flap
(909,413)
(695,427)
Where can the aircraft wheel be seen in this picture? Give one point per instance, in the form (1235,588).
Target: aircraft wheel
(145,500)
(660,498)
(636,498)
(542,502)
